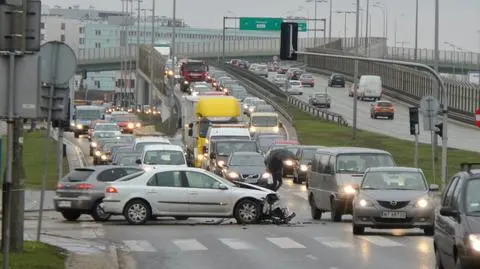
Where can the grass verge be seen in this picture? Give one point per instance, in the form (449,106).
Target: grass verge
(314,131)
(34,161)
(37,255)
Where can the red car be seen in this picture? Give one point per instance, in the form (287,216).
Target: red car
(127,123)
(307,79)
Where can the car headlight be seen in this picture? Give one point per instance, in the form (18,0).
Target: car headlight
(276,129)
(208,77)
(474,240)
(365,203)
(253,129)
(185,82)
(94,144)
(170,72)
(200,157)
(245,106)
(72,124)
(251,109)
(232,175)
(303,168)
(266,175)
(98,153)
(349,189)
(138,125)
(288,162)
(225,90)
(79,126)
(104,157)
(422,203)
(194,93)
(130,125)
(138,110)
(221,163)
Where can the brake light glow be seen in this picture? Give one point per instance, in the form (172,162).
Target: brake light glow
(59,186)
(85,186)
(111,190)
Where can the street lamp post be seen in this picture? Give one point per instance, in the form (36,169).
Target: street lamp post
(366,28)
(315,19)
(416,31)
(384,18)
(346,12)
(235,30)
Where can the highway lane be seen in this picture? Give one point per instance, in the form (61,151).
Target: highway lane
(460,136)
(304,244)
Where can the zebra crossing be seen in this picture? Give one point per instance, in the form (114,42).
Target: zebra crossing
(199,245)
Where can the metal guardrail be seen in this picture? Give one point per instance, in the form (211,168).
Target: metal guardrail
(404,83)
(280,98)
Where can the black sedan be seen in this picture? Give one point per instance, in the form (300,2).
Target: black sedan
(336,80)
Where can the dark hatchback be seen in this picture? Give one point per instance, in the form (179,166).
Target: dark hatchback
(305,156)
(457,224)
(288,166)
(336,80)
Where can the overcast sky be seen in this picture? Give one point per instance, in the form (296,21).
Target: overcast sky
(459,19)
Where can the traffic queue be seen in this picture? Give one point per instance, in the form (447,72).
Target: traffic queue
(229,142)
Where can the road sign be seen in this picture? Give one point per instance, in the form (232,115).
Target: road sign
(477,117)
(302,26)
(429,107)
(260,24)
(58,63)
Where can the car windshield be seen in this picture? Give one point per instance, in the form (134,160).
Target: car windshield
(102,134)
(247,160)
(394,180)
(141,145)
(320,95)
(472,198)
(89,114)
(359,162)
(264,121)
(164,157)
(295,83)
(127,160)
(384,104)
(265,108)
(307,76)
(78,175)
(267,141)
(106,127)
(195,67)
(226,148)
(308,154)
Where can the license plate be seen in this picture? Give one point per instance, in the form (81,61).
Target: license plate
(64,204)
(394,215)
(250,180)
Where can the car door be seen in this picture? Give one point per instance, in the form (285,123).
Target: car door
(205,196)
(167,194)
(444,234)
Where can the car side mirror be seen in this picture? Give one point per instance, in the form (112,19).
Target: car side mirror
(213,155)
(138,161)
(223,187)
(449,212)
(190,132)
(434,187)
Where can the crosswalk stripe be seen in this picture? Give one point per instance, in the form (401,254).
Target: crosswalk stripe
(236,243)
(333,242)
(139,246)
(189,245)
(284,242)
(381,241)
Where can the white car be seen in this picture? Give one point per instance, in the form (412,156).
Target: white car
(155,156)
(184,192)
(295,87)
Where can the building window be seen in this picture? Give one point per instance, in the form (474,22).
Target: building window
(97,45)
(62,38)
(81,30)
(81,41)
(62,26)
(42,25)
(98,32)
(42,37)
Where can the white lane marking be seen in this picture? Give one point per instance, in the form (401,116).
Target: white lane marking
(302,195)
(284,242)
(235,243)
(189,245)
(139,246)
(381,241)
(311,257)
(333,242)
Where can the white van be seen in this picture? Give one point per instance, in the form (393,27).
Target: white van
(215,133)
(369,87)
(155,156)
(141,142)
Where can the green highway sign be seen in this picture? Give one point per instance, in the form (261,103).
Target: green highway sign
(302,26)
(260,24)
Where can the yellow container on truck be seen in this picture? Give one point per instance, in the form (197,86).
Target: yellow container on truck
(211,110)
(264,122)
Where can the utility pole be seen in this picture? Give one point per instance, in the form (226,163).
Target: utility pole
(416,31)
(123,32)
(366,28)
(173,50)
(330,23)
(130,64)
(135,102)
(355,79)
(152,75)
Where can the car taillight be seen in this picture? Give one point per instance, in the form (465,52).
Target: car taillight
(59,186)
(85,186)
(111,190)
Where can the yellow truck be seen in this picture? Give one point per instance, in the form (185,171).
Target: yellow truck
(264,122)
(209,110)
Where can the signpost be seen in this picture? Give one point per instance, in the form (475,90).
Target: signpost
(429,106)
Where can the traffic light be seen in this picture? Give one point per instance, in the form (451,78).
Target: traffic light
(289,41)
(439,129)
(413,112)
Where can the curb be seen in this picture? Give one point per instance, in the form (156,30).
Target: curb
(34,210)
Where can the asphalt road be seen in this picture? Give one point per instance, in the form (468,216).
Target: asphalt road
(460,136)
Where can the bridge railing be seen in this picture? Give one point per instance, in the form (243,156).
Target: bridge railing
(428,56)
(403,83)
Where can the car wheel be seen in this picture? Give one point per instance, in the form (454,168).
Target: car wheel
(314,211)
(71,215)
(98,214)
(358,229)
(438,260)
(247,211)
(429,231)
(335,212)
(137,212)
(181,218)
